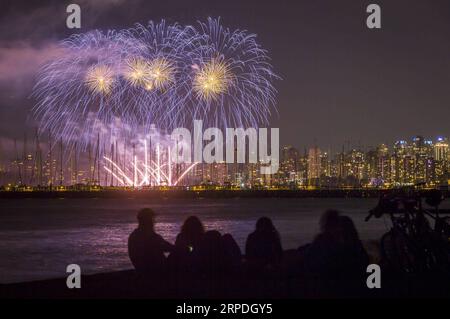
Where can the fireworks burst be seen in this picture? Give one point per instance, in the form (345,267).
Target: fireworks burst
(138,72)
(100,79)
(212,80)
(80,91)
(161,73)
(231,75)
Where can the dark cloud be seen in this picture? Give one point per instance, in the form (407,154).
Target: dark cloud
(19,61)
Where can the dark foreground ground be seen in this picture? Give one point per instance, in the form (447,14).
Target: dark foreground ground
(128,284)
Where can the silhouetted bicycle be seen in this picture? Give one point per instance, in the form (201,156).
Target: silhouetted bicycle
(412,245)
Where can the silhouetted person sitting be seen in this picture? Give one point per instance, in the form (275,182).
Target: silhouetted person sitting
(263,247)
(329,231)
(233,251)
(354,257)
(191,234)
(336,256)
(145,247)
(212,257)
(186,243)
(322,253)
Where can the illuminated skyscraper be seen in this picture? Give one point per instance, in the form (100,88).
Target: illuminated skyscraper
(441,149)
(314,166)
(442,160)
(403,164)
(383,171)
(289,166)
(421,152)
(355,166)
(325,168)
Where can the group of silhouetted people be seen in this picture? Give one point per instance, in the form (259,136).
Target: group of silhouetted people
(335,252)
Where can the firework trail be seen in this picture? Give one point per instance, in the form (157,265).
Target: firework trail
(151,164)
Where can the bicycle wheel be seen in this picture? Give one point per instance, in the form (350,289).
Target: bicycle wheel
(398,252)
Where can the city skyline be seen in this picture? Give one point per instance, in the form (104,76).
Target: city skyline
(418,161)
(405,162)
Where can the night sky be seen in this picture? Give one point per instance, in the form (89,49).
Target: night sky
(342,83)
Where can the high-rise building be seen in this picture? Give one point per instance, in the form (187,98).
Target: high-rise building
(383,168)
(325,167)
(442,161)
(314,165)
(421,151)
(402,164)
(355,167)
(441,149)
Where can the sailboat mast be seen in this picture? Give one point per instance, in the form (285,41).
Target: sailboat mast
(61,173)
(19,174)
